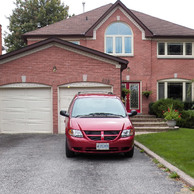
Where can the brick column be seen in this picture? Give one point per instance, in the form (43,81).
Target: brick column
(55,109)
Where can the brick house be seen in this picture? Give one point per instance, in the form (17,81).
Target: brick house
(106,49)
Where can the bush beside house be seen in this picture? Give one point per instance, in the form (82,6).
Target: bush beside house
(160,107)
(187,119)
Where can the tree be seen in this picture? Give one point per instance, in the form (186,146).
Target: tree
(30,15)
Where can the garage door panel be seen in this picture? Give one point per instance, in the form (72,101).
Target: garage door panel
(66,95)
(25,110)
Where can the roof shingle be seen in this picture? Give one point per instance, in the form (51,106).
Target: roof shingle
(79,25)
(76,25)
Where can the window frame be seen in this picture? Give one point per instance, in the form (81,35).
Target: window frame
(184,83)
(166,55)
(123,42)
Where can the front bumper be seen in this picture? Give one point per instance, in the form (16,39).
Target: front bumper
(84,145)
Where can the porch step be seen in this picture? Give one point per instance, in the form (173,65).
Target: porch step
(134,119)
(149,123)
(153,129)
(144,116)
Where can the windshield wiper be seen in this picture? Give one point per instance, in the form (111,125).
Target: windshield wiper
(107,114)
(99,114)
(86,115)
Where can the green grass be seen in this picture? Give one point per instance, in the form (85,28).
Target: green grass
(177,147)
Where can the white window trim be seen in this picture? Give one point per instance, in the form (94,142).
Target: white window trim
(184,81)
(176,56)
(123,44)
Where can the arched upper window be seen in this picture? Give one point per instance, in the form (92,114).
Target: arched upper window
(119,39)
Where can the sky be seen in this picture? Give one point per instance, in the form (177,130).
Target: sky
(176,11)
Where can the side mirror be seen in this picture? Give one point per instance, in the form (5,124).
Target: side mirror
(132,113)
(64,113)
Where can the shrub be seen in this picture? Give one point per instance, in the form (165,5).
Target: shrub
(172,114)
(151,111)
(162,105)
(189,105)
(187,120)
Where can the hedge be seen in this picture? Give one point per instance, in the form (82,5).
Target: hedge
(162,105)
(187,119)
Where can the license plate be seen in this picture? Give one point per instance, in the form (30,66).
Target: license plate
(102,146)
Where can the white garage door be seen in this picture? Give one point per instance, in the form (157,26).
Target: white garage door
(67,92)
(25,110)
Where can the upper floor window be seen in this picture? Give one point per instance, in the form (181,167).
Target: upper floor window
(175,49)
(119,39)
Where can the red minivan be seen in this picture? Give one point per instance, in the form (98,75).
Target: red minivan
(98,123)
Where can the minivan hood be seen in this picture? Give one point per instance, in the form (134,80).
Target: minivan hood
(100,123)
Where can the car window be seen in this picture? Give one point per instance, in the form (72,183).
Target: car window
(98,106)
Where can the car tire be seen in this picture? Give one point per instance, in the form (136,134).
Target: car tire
(69,153)
(130,153)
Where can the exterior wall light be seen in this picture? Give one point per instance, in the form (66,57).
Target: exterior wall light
(54,69)
(23,78)
(85,77)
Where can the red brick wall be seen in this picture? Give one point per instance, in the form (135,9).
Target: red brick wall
(140,63)
(38,68)
(144,66)
(0,40)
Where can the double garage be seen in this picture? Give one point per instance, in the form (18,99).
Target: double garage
(28,108)
(41,79)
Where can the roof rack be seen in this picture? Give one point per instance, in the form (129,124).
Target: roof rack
(94,92)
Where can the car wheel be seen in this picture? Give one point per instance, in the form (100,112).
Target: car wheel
(69,153)
(130,153)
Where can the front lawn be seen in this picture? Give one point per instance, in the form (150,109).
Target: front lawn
(177,147)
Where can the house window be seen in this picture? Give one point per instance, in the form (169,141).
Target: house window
(161,49)
(75,42)
(161,90)
(175,49)
(176,89)
(119,39)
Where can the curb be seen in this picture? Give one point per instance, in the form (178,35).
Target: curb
(184,177)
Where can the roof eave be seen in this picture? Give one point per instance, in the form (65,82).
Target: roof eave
(174,36)
(54,35)
(122,62)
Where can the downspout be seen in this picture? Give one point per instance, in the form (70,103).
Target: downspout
(121,70)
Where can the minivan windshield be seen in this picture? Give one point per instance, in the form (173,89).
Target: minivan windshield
(98,107)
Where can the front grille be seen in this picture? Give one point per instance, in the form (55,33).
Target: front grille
(95,138)
(108,138)
(102,135)
(111,132)
(92,132)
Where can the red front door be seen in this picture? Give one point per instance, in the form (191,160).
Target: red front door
(132,100)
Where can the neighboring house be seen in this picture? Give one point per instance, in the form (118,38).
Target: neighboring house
(101,50)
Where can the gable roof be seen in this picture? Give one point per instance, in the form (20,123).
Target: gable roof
(163,28)
(73,26)
(38,45)
(84,24)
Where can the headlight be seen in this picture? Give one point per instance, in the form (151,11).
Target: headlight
(127,132)
(75,133)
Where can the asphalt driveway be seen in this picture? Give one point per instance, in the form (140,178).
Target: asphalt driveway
(36,163)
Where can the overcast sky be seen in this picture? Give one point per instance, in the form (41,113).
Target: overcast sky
(177,11)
